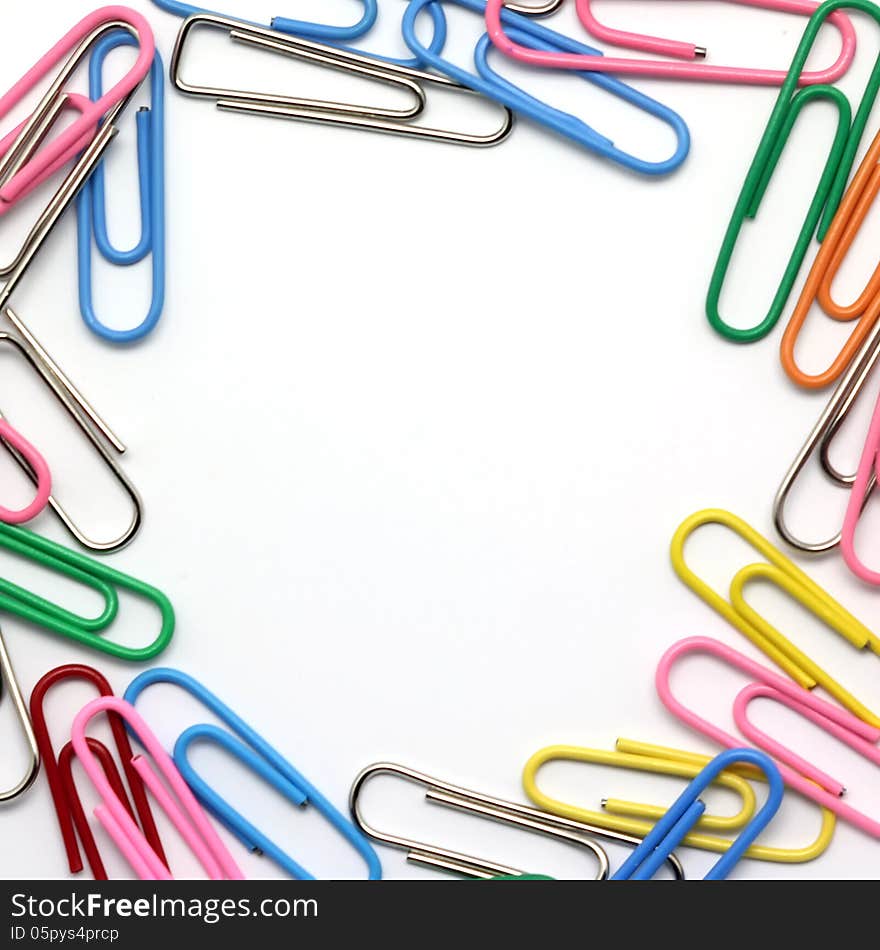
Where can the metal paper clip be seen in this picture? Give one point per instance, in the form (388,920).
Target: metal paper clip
(93,427)
(350,115)
(484,806)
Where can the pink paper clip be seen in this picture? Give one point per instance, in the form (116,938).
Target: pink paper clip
(866,476)
(797,773)
(174,798)
(40,470)
(660,69)
(23,166)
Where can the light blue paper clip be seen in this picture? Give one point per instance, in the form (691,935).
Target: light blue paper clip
(489,83)
(91,207)
(254,752)
(671,829)
(315,31)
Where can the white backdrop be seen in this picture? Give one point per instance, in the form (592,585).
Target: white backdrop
(416,430)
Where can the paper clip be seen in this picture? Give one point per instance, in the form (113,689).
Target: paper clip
(68,807)
(350,115)
(660,69)
(252,750)
(25,162)
(832,182)
(796,772)
(819,443)
(93,427)
(483,806)
(779,571)
(36,464)
(320,31)
(668,833)
(488,83)
(88,631)
(850,216)
(13,690)
(637,820)
(175,799)
(91,203)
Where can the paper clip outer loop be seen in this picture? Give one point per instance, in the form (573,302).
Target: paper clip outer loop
(184,812)
(668,833)
(68,807)
(488,83)
(832,183)
(102,578)
(637,819)
(660,69)
(792,580)
(852,212)
(254,752)
(91,203)
(40,469)
(829,715)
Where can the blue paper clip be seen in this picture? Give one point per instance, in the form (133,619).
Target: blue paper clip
(670,830)
(91,207)
(487,82)
(316,31)
(254,752)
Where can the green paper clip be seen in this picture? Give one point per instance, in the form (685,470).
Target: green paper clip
(832,183)
(92,573)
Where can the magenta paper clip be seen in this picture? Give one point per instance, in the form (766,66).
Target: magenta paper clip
(796,772)
(52,156)
(866,476)
(173,796)
(659,69)
(15,441)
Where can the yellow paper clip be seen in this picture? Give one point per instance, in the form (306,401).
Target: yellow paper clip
(787,577)
(637,819)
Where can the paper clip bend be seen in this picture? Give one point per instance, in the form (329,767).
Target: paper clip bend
(668,833)
(319,31)
(820,440)
(488,83)
(834,720)
(473,803)
(832,183)
(25,162)
(172,795)
(93,427)
(779,571)
(252,750)
(36,465)
(91,203)
(68,807)
(661,69)
(102,578)
(350,115)
(638,820)
(854,208)
(10,685)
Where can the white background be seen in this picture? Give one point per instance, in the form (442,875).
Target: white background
(416,430)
